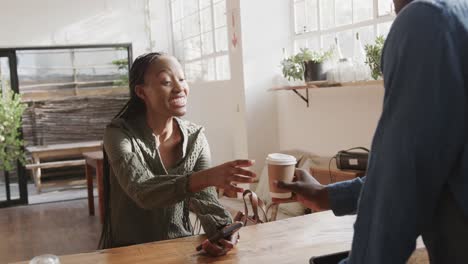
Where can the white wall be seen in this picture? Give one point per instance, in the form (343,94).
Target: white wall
(59,22)
(265,32)
(337,119)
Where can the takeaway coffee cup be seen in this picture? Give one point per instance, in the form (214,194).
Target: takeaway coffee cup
(280,168)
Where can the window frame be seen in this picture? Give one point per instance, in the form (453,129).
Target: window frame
(213,55)
(319,33)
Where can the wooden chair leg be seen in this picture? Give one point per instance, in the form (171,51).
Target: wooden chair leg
(37,174)
(89,181)
(100,185)
(274,211)
(39,184)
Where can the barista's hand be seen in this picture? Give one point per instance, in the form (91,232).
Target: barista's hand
(309,191)
(222,247)
(223,176)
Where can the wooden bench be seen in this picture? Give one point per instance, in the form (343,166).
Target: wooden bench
(58,151)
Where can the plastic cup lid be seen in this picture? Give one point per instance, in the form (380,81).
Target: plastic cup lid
(281,159)
(45,259)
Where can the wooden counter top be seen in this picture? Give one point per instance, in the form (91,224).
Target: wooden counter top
(293,240)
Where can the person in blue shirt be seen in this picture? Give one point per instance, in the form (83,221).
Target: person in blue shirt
(417,177)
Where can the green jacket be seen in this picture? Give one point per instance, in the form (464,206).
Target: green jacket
(149,202)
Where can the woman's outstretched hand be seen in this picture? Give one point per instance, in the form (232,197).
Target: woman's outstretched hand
(308,190)
(224,176)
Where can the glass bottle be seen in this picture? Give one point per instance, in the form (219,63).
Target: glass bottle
(361,69)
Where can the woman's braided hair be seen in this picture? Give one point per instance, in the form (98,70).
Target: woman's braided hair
(137,77)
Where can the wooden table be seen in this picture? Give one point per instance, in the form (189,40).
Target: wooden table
(94,161)
(292,240)
(58,151)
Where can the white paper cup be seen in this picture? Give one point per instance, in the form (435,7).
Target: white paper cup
(281,167)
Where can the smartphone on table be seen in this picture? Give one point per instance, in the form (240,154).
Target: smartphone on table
(224,233)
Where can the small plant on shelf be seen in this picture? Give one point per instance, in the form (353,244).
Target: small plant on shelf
(294,67)
(373,56)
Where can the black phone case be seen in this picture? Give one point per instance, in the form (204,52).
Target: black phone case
(329,259)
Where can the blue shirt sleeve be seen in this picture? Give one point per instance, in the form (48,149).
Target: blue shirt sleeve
(344,196)
(420,135)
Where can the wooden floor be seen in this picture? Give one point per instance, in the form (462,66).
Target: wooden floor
(56,228)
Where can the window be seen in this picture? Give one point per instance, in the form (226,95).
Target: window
(200,38)
(318,23)
(72,71)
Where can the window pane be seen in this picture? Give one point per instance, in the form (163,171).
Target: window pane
(384,28)
(5,81)
(45,70)
(385,7)
(14,184)
(362,10)
(344,14)
(313,44)
(223,70)
(328,41)
(193,71)
(300,17)
(179,50)
(94,65)
(190,7)
(176,7)
(220,14)
(205,3)
(177,31)
(191,26)
(366,34)
(327,14)
(206,22)
(208,66)
(312,15)
(192,49)
(299,44)
(221,39)
(346,40)
(207,43)
(70,69)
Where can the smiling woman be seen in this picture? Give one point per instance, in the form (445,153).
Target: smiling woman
(158,164)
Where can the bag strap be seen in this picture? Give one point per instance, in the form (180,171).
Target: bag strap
(256,204)
(359,148)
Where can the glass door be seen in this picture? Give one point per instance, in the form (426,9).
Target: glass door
(13,183)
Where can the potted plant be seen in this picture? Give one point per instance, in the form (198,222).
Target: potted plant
(11,145)
(306,65)
(314,68)
(373,57)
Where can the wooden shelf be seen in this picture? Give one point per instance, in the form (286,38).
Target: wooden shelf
(323,84)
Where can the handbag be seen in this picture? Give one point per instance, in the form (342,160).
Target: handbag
(352,160)
(259,210)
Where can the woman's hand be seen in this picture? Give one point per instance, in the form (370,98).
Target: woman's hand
(309,191)
(222,247)
(223,176)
